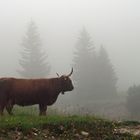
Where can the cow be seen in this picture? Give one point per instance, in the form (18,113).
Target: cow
(25,92)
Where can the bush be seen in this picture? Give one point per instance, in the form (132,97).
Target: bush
(133,101)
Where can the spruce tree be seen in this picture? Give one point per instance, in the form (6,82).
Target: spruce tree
(33,58)
(106,77)
(94,75)
(82,66)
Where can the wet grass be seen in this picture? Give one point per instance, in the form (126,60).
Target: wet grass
(28,125)
(24,121)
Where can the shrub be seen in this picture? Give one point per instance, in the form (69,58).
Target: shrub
(133,101)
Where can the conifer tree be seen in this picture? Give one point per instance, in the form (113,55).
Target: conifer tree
(94,75)
(107,78)
(33,59)
(82,63)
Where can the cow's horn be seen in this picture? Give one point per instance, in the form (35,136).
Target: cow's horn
(70,72)
(57,74)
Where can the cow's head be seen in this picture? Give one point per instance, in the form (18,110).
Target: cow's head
(66,82)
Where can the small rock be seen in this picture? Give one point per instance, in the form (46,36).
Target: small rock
(84,133)
(77,135)
(35,134)
(61,127)
(53,137)
(136,132)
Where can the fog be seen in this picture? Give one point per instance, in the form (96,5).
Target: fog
(114,24)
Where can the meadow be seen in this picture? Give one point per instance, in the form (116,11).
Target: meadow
(25,124)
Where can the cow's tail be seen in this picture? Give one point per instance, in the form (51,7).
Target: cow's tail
(3,95)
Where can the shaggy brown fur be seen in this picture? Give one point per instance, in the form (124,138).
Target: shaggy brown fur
(26,92)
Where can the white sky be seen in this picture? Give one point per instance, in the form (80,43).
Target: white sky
(113,23)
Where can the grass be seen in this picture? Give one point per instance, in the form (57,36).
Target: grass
(28,125)
(58,126)
(29,121)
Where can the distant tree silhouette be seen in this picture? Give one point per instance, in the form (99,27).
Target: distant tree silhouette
(82,66)
(133,101)
(94,75)
(106,79)
(33,58)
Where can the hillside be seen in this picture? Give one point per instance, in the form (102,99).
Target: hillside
(57,127)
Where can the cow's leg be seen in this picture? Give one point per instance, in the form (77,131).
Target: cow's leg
(2,106)
(9,107)
(42,109)
(2,103)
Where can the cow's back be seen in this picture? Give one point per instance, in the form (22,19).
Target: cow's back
(29,91)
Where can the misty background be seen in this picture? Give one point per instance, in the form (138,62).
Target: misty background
(113,24)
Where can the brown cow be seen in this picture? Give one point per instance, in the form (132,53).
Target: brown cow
(26,92)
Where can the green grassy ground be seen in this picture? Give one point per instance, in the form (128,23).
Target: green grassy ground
(26,125)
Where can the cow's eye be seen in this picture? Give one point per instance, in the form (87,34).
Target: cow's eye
(65,78)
